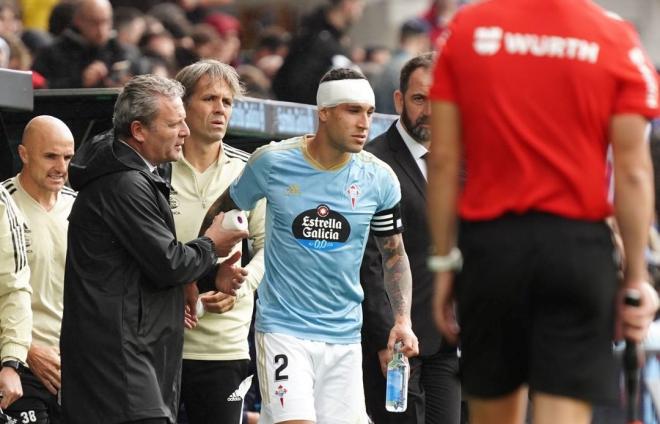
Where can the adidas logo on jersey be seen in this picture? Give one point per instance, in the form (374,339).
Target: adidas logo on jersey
(235,397)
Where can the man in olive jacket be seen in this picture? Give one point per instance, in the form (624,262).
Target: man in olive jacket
(122,329)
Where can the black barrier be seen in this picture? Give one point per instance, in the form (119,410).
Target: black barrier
(15,95)
(254,122)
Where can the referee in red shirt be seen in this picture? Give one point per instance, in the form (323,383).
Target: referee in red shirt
(528,96)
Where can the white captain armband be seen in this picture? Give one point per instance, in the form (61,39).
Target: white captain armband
(387,222)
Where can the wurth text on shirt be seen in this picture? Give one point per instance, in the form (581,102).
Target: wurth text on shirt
(488,41)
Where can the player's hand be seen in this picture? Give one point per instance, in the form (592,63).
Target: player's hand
(230,277)
(190,293)
(223,239)
(384,358)
(443,307)
(633,321)
(10,387)
(402,331)
(44,362)
(218,302)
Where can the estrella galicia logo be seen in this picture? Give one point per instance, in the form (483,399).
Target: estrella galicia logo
(321,229)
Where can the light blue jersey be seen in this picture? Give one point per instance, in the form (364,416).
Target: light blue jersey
(317,223)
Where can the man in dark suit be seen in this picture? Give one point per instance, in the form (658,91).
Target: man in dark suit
(434,393)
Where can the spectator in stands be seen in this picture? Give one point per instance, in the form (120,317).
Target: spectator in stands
(177,24)
(160,45)
(372,61)
(215,352)
(20,59)
(35,40)
(228,28)
(273,40)
(61,17)
(269,65)
(122,328)
(130,25)
(40,194)
(13,54)
(186,5)
(173,19)
(142,5)
(206,41)
(413,41)
(157,66)
(378,54)
(15,312)
(19,55)
(10,22)
(438,16)
(319,45)
(272,47)
(254,80)
(86,55)
(153,25)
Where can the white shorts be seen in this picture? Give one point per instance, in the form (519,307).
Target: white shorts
(308,380)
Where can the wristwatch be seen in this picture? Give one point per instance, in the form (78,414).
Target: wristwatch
(11,363)
(450,262)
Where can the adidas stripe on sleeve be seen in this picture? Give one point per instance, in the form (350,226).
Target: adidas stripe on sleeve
(12,233)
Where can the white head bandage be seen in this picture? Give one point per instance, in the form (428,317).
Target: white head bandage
(333,93)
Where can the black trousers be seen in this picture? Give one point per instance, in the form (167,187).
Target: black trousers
(207,390)
(37,405)
(434,390)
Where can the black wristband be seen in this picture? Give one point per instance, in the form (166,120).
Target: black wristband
(11,363)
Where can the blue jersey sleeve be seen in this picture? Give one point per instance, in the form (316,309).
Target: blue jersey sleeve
(250,186)
(390,189)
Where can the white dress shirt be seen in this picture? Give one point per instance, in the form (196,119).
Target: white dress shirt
(417,150)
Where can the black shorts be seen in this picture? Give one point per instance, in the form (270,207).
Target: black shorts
(536,306)
(209,390)
(37,405)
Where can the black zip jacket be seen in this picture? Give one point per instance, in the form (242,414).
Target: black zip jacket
(122,329)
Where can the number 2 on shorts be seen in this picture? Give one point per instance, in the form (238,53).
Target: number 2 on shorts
(282,361)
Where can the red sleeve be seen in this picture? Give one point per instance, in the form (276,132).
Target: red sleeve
(443,79)
(638,80)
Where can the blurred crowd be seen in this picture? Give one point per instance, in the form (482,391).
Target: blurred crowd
(103,43)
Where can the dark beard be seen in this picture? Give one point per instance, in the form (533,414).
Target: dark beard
(416,130)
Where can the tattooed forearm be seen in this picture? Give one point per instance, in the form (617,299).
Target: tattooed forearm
(223,203)
(396,274)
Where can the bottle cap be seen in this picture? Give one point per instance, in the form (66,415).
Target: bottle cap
(200,308)
(235,219)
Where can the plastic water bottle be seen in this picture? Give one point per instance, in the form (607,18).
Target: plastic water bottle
(398,371)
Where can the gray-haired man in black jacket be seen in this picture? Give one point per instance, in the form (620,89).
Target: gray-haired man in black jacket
(122,330)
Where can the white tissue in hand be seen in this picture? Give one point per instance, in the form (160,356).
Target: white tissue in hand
(199,308)
(235,220)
